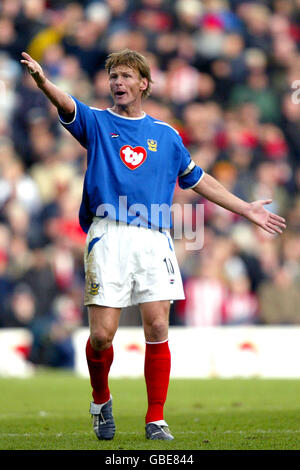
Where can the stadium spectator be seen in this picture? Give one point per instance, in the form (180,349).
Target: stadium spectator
(240,304)
(20,311)
(205,294)
(279,298)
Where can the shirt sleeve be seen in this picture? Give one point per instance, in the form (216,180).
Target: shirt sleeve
(78,126)
(190,174)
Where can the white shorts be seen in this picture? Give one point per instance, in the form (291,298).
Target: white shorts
(127,265)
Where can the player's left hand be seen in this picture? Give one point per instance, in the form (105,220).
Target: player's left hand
(265,219)
(33,68)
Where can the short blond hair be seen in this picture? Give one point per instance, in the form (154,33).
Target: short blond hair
(132,59)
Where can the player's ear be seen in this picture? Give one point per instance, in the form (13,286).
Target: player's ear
(144,84)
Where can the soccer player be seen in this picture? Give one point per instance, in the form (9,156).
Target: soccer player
(133,163)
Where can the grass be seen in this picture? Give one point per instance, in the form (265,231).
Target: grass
(50,412)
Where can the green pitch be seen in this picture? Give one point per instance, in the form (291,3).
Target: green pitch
(50,412)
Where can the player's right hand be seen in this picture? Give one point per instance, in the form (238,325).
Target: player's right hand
(33,68)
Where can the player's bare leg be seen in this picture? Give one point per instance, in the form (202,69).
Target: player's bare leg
(103,323)
(157,366)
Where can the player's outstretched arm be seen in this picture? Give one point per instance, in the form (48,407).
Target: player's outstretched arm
(60,99)
(214,191)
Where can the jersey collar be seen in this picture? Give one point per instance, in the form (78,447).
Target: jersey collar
(125,117)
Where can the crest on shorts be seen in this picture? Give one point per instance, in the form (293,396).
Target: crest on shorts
(94,288)
(152,145)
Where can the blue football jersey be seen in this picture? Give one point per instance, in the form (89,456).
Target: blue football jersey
(132,167)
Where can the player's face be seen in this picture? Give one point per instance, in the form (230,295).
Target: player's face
(126,85)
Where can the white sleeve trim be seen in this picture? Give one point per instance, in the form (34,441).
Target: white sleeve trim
(166,124)
(191,187)
(95,109)
(75,114)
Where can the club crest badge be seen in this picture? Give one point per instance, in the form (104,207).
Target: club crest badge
(133,157)
(94,288)
(152,145)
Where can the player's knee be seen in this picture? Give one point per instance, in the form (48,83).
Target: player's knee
(157,331)
(101,340)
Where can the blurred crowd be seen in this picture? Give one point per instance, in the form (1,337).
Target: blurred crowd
(224,72)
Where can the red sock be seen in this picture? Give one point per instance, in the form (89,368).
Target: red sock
(99,363)
(157,375)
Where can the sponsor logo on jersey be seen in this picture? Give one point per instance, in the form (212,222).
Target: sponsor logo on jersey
(133,157)
(152,145)
(114,135)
